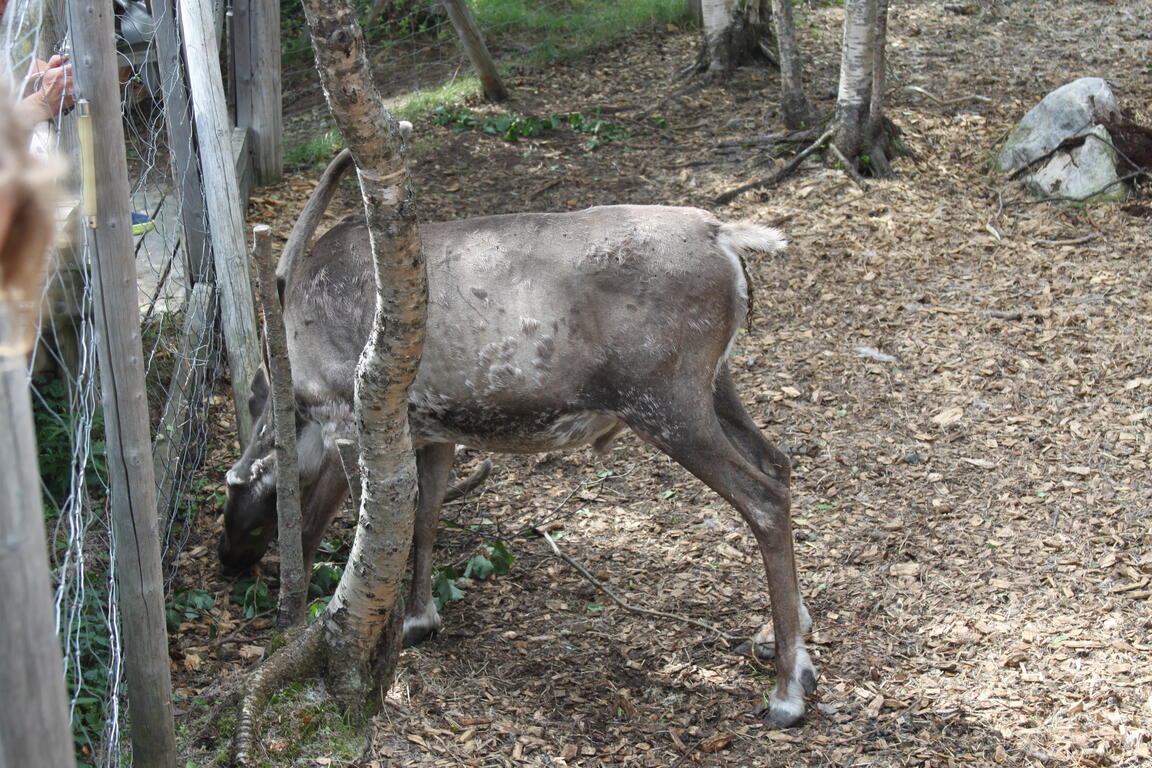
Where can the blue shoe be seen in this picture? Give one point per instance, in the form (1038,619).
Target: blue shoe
(141,223)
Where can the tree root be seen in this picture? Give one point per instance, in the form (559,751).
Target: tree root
(297,659)
(779,176)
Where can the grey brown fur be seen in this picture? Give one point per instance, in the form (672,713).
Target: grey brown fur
(545,331)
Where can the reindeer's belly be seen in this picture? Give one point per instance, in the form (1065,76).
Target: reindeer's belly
(523,427)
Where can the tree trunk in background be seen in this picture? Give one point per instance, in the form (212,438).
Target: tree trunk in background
(853,97)
(736,33)
(794,104)
(473,41)
(861,130)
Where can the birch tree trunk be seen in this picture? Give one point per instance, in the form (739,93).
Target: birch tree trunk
(861,132)
(359,626)
(853,97)
(794,104)
(354,643)
(736,33)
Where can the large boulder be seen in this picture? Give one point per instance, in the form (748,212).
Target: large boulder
(1070,110)
(1086,173)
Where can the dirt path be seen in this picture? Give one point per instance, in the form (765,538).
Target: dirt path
(974,518)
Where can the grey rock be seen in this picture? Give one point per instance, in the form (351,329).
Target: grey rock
(1081,171)
(1070,110)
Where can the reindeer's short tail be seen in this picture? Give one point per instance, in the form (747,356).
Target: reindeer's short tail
(739,238)
(744,237)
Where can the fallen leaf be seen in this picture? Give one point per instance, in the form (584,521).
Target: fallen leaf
(716,743)
(251,652)
(949,417)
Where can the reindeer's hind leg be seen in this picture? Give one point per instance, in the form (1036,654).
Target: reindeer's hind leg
(433,467)
(705,443)
(750,441)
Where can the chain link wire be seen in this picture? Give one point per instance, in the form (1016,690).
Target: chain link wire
(63,376)
(412,46)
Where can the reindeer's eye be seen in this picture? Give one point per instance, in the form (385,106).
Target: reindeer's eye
(256,531)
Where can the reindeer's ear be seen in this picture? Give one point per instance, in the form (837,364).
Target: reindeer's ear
(259,396)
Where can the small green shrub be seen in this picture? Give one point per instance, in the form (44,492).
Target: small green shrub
(489,559)
(187,605)
(253,596)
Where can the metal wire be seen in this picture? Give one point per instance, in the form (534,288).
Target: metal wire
(62,373)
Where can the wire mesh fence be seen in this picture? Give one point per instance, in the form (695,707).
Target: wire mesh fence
(182,362)
(413,46)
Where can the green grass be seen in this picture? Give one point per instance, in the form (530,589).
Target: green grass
(420,104)
(317,149)
(572,29)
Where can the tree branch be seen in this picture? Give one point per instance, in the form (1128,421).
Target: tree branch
(779,176)
(631,608)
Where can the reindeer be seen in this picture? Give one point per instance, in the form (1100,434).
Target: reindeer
(545,331)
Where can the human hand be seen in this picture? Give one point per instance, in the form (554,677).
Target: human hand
(54,94)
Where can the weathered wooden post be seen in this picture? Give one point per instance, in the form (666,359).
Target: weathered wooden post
(108,238)
(225,208)
(181,142)
(473,41)
(34,725)
(256,66)
(293,580)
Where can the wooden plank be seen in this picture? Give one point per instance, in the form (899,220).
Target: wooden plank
(34,722)
(293,581)
(256,69)
(174,430)
(185,168)
(224,206)
(120,354)
(473,41)
(242,154)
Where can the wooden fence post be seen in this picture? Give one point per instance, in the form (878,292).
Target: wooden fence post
(225,208)
(178,118)
(473,41)
(256,65)
(135,527)
(293,579)
(34,723)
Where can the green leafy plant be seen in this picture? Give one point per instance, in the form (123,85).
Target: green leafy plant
(253,596)
(187,605)
(89,686)
(490,559)
(57,435)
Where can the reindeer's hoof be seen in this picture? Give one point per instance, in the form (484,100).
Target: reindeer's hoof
(781,714)
(420,627)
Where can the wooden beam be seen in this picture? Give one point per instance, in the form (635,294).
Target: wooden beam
(185,167)
(224,206)
(173,432)
(108,237)
(256,66)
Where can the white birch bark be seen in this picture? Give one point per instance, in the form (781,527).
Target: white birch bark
(856,57)
(718,18)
